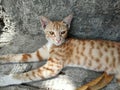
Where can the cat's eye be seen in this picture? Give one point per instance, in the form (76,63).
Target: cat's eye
(63,32)
(51,33)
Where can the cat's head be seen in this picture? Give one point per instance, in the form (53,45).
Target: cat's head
(56,31)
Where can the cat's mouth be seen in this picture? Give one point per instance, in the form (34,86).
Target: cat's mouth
(59,43)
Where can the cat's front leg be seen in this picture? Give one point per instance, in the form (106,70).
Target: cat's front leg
(39,55)
(50,69)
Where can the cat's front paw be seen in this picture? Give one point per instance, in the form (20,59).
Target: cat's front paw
(6,80)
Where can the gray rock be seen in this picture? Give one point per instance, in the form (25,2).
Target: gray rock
(20,30)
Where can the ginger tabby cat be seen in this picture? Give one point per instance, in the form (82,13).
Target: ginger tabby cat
(60,51)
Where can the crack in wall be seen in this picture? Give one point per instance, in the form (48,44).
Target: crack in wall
(2,24)
(7,28)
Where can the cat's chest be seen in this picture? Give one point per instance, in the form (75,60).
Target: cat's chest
(61,52)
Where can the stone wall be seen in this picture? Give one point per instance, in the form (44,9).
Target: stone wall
(93,19)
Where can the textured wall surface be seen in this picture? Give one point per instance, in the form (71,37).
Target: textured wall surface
(93,19)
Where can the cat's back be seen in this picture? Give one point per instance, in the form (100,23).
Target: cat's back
(80,44)
(73,43)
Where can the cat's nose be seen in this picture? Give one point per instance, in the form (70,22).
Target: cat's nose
(58,40)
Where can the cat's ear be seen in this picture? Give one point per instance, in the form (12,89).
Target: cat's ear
(67,20)
(44,21)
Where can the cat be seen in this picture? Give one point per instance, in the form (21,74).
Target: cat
(61,51)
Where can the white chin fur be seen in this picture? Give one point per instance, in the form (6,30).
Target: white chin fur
(57,44)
